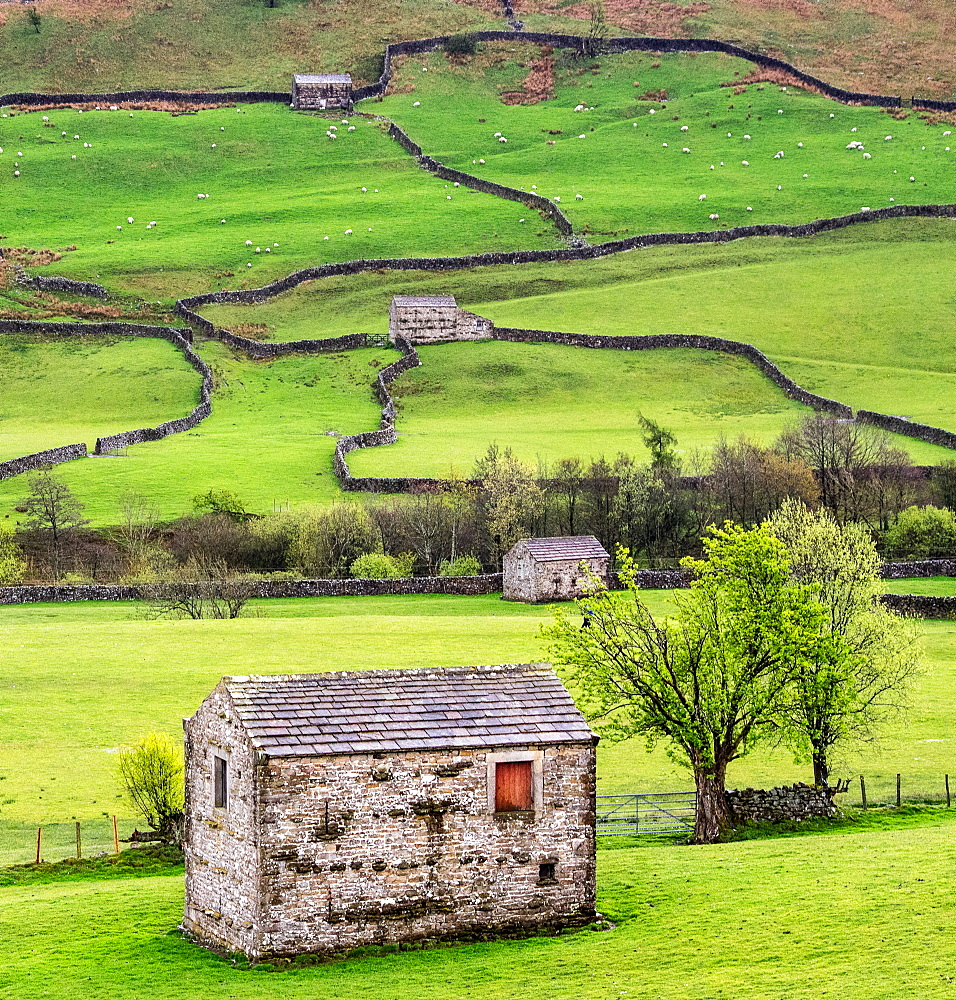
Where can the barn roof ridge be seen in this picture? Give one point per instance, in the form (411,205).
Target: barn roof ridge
(565,547)
(423,708)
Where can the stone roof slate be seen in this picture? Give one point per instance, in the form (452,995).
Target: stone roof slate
(322,78)
(573,547)
(423,300)
(374,710)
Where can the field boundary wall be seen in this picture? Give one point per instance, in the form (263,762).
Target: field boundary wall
(420,45)
(180,338)
(56,283)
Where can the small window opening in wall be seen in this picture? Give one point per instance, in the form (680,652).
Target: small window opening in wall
(513,786)
(546,872)
(221,783)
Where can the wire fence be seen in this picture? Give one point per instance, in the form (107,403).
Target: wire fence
(19,841)
(871,791)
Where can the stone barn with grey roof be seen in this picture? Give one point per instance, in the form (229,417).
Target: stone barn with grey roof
(322,91)
(325,812)
(434,319)
(549,569)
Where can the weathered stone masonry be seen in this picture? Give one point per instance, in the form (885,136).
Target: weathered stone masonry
(330,851)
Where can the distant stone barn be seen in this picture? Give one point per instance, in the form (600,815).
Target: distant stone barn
(433,319)
(549,569)
(322,91)
(329,811)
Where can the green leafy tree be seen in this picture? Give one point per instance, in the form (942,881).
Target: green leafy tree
(510,496)
(660,443)
(921,532)
(151,773)
(463,44)
(53,510)
(709,682)
(462,566)
(595,42)
(33,16)
(856,673)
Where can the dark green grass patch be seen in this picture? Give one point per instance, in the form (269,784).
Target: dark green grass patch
(141,861)
(861,916)
(62,391)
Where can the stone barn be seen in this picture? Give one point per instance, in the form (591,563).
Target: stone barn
(321,91)
(549,569)
(329,811)
(433,319)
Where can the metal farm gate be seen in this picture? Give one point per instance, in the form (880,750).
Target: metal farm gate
(653,812)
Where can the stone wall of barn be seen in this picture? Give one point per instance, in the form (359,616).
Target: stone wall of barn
(321,96)
(435,324)
(524,579)
(372,849)
(223,899)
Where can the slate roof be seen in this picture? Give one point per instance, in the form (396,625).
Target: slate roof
(322,78)
(423,300)
(374,710)
(575,547)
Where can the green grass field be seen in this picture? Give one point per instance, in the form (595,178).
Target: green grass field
(789,918)
(266,440)
(58,392)
(83,679)
(626,157)
(273,175)
(548,402)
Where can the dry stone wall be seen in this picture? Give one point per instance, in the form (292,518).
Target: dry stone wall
(41,459)
(55,283)
(781,805)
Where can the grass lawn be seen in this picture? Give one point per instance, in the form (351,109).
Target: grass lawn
(641,166)
(266,440)
(84,678)
(931,586)
(549,402)
(273,175)
(58,392)
(863,916)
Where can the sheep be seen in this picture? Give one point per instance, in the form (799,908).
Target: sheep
(714,217)
(712,167)
(248,265)
(749,209)
(45,118)
(364,190)
(779,187)
(16,173)
(268,250)
(852,129)
(481,161)
(779,111)
(685,150)
(333,128)
(744,163)
(348,232)
(248,243)
(730,135)
(213,146)
(222,221)
(521,220)
(75,137)
(502,139)
(799,145)
(948,132)
(448,197)
(703,197)
(351,128)
(457,184)
(651,112)
(275,244)
(664,144)
(417,104)
(557,197)
(746,136)
(129,219)
(912,178)
(580,107)
(73,157)
(867,156)
(534,187)
(582,136)
(684,128)
(806,175)
(778,156)
(579,197)
(258,249)
(865,208)
(497,135)
(887,138)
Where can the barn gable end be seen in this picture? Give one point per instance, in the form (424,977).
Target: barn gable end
(549,569)
(388,806)
(322,91)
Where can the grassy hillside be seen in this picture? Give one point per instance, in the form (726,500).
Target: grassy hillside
(548,402)
(858,915)
(273,174)
(266,440)
(83,679)
(625,157)
(59,392)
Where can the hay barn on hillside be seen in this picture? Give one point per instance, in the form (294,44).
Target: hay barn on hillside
(329,811)
(549,569)
(321,91)
(432,319)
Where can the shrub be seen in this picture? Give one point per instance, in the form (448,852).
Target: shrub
(461,45)
(920,532)
(379,566)
(151,773)
(462,566)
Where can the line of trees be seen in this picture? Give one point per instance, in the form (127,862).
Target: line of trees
(652,508)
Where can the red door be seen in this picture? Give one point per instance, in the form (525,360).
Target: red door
(513,786)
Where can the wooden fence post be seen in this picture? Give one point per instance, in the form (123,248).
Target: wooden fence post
(39,841)
(115,836)
(897,790)
(79,848)
(947,792)
(863,790)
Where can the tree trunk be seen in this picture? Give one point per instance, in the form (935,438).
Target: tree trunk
(821,769)
(713,816)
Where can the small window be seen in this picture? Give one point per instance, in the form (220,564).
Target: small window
(513,786)
(220,782)
(546,872)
